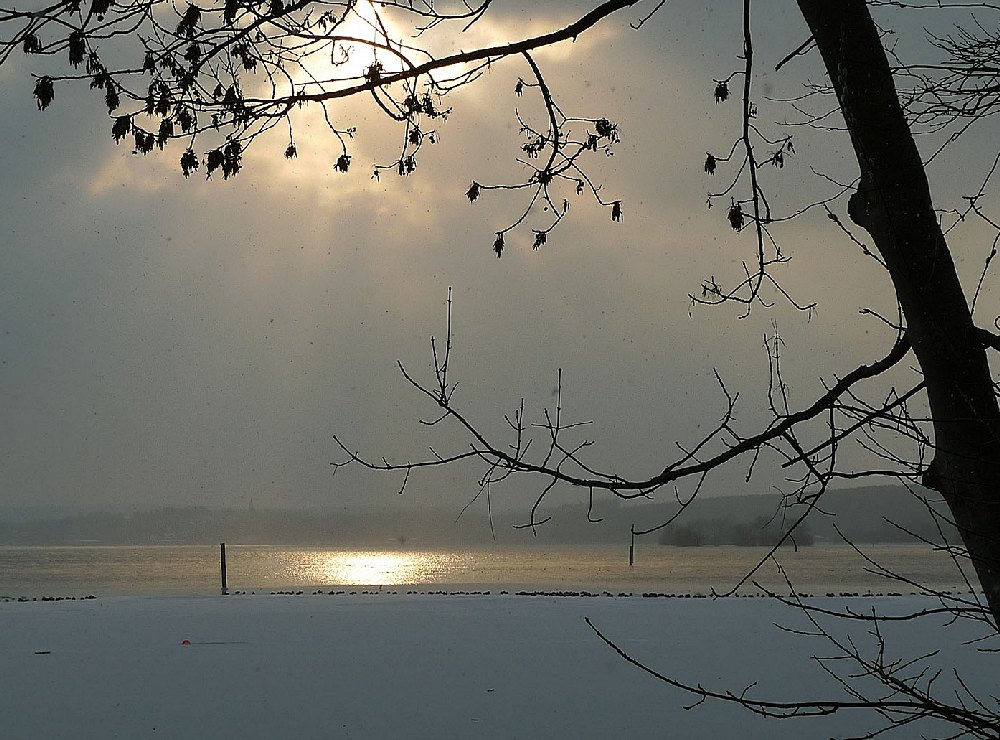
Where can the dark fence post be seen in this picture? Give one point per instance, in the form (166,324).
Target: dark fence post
(222,556)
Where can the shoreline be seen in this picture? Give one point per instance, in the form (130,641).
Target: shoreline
(396,591)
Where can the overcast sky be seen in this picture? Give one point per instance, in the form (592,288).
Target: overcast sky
(187,342)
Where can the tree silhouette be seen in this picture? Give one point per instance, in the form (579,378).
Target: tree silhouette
(217,76)
(955,452)
(208,80)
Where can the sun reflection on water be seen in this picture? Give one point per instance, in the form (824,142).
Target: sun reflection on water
(374,568)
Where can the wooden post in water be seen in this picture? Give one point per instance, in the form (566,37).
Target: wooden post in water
(222,562)
(631,549)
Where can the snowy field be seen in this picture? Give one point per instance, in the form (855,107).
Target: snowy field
(311,667)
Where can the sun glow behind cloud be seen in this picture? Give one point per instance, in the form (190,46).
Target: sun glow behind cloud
(339,64)
(343,60)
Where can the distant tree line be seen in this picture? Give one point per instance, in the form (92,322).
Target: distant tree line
(864,514)
(761,532)
(199,525)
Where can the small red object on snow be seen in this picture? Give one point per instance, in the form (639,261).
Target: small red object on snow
(185,642)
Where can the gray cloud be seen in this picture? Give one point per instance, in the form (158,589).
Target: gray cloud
(171,342)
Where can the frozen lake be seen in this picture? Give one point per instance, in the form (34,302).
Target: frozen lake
(821,569)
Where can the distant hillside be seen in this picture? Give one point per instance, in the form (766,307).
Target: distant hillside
(862,514)
(196,525)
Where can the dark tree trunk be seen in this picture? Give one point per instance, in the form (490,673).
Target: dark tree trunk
(893,204)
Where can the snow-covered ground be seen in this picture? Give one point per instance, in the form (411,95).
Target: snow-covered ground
(423,666)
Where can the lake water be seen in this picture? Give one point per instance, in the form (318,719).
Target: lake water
(105,571)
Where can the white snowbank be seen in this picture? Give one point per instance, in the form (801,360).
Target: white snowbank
(420,666)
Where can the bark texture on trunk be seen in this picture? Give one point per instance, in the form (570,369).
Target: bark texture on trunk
(893,204)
